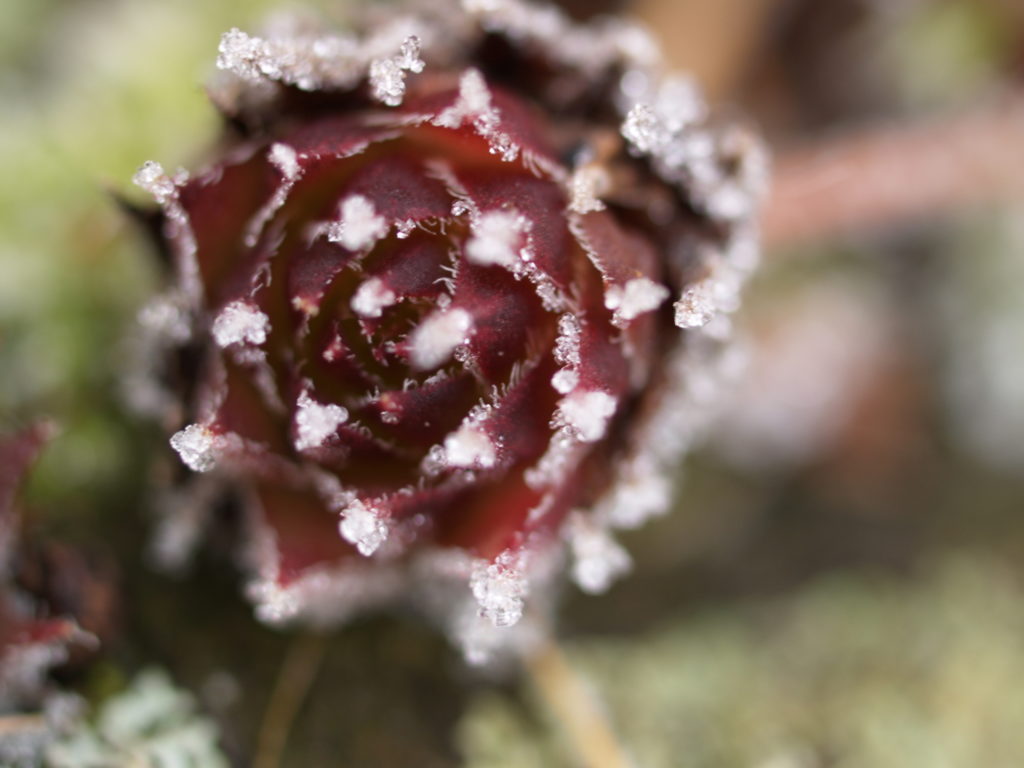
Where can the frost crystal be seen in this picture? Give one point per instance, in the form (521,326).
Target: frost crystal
(567,345)
(240,322)
(152,178)
(433,342)
(315,422)
(474,104)
(597,558)
(469,446)
(362,526)
(565,380)
(495,238)
(638,495)
(678,103)
(285,159)
(586,185)
(387,76)
(697,306)
(372,297)
(409,55)
(166,318)
(358,226)
(197,447)
(640,295)
(387,81)
(242,54)
(643,129)
(499,589)
(588,412)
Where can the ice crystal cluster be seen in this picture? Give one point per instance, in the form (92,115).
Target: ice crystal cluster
(449,306)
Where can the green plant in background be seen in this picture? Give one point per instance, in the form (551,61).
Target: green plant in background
(853,671)
(89,88)
(151,724)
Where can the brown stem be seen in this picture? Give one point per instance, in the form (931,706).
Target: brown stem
(11,725)
(891,174)
(575,708)
(302,660)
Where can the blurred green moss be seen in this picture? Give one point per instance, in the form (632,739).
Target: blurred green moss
(91,90)
(855,670)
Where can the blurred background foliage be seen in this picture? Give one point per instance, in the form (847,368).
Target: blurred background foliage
(841,584)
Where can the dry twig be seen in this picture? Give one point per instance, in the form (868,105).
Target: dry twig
(301,662)
(575,708)
(891,174)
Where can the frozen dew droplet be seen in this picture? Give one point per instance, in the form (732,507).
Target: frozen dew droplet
(152,178)
(587,412)
(598,560)
(434,340)
(316,422)
(358,226)
(499,589)
(197,447)
(495,238)
(240,322)
(697,306)
(363,526)
(469,446)
(371,298)
(639,296)
(285,159)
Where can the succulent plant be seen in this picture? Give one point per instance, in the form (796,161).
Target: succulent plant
(450,299)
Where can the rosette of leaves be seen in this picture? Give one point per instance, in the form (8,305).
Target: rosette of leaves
(450,299)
